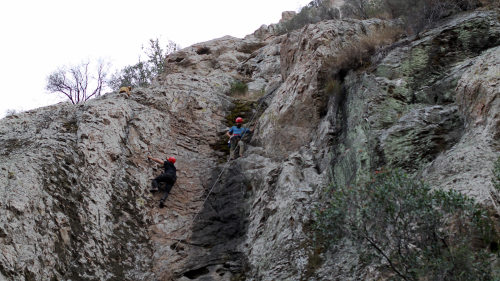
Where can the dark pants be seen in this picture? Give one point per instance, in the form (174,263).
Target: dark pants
(169,183)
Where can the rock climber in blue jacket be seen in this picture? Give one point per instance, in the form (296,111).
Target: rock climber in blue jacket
(235,134)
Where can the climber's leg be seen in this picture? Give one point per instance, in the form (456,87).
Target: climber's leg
(168,186)
(155,183)
(241,144)
(234,146)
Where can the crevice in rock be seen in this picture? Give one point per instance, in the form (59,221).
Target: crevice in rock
(195,273)
(203,51)
(222,223)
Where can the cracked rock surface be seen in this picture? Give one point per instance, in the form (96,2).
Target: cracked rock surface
(74,179)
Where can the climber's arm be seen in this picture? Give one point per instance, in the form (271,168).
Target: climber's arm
(155,159)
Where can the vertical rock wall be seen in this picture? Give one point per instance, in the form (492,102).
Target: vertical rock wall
(74,179)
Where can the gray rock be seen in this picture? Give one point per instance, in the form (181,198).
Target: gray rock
(74,180)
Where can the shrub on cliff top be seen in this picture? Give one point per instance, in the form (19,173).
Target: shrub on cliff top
(142,73)
(315,11)
(418,233)
(416,15)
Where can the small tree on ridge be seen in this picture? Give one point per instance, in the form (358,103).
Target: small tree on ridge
(77,83)
(142,73)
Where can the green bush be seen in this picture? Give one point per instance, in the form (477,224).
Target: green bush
(419,233)
(238,87)
(142,73)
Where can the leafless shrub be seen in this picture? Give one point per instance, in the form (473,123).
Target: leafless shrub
(74,81)
(11,112)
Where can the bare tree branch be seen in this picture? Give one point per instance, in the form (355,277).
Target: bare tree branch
(100,78)
(74,82)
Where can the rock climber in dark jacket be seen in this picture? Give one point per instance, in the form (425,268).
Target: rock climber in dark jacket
(169,176)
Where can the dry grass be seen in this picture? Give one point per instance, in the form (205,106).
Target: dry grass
(354,55)
(357,53)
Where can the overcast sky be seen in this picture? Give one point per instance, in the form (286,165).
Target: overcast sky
(38,36)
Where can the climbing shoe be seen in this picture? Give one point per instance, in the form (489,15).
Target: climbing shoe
(153,190)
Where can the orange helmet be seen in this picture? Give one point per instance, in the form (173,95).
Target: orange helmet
(171,160)
(239,120)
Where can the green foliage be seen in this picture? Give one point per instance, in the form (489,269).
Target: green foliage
(142,73)
(238,87)
(137,75)
(420,234)
(314,12)
(496,174)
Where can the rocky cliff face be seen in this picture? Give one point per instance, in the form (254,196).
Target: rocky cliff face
(74,179)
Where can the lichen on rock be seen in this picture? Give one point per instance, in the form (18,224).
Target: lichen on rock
(74,179)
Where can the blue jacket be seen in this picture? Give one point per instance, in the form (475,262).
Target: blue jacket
(235,131)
